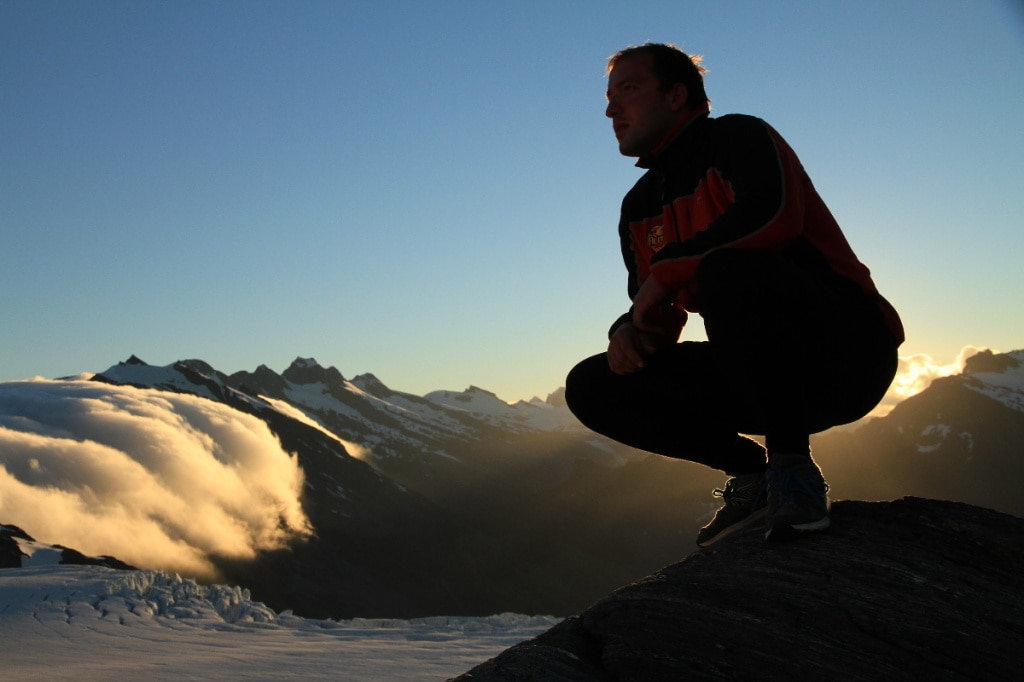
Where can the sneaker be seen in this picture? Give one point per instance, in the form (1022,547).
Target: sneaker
(797,498)
(745,502)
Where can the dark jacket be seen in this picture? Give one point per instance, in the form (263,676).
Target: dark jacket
(732,182)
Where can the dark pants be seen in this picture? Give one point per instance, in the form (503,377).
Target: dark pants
(789,353)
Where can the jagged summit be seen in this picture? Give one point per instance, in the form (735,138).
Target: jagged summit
(263,381)
(372,385)
(1000,377)
(197,365)
(309,371)
(557,398)
(987,361)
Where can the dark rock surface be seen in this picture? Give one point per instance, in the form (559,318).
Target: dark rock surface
(913,589)
(11,552)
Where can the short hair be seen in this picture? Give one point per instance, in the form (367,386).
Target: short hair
(671,65)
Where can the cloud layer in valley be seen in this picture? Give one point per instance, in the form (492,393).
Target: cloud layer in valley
(156,479)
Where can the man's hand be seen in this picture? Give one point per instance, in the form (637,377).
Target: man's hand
(653,310)
(656,324)
(630,346)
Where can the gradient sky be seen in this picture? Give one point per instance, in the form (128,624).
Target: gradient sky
(429,191)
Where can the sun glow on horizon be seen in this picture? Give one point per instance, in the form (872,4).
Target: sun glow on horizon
(916,373)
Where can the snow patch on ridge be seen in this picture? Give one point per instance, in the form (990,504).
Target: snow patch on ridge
(1006,387)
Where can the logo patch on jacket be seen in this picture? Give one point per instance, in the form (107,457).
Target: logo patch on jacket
(656,237)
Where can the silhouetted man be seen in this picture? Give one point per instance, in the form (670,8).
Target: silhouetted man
(726,223)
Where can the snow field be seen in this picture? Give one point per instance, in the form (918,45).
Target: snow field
(85,622)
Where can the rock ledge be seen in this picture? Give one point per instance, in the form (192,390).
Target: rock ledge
(909,589)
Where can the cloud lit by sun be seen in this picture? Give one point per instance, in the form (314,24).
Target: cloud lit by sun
(160,480)
(916,373)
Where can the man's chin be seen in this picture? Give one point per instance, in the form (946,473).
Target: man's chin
(627,149)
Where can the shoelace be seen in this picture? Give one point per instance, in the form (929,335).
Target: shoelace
(729,491)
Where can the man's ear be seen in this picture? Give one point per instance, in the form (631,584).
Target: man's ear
(677,96)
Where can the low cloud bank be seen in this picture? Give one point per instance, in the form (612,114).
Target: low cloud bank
(916,373)
(156,479)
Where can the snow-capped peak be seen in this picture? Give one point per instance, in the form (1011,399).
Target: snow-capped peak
(309,371)
(998,376)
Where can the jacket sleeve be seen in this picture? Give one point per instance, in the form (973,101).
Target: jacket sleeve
(629,258)
(754,189)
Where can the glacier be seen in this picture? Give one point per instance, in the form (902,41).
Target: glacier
(92,622)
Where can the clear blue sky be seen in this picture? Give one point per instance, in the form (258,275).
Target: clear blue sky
(429,190)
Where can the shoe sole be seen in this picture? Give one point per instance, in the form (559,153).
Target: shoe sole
(739,525)
(784,531)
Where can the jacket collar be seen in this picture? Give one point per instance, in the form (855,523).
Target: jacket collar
(678,132)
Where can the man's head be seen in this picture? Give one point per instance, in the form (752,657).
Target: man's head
(651,88)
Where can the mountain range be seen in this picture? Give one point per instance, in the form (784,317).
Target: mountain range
(459,503)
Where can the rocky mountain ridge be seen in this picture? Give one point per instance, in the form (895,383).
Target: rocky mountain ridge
(418,502)
(460,503)
(960,439)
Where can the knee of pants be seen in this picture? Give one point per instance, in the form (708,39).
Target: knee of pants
(581,384)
